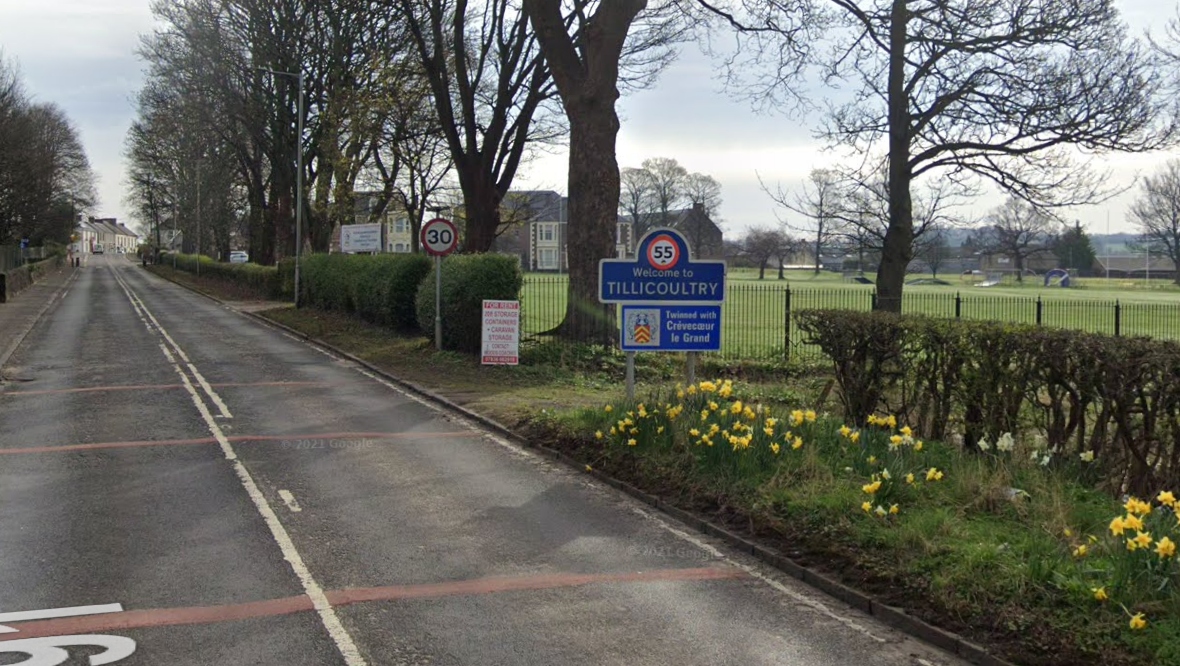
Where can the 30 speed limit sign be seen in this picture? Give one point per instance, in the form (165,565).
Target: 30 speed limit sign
(439,237)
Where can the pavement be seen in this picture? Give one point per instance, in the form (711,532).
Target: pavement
(18,315)
(181,484)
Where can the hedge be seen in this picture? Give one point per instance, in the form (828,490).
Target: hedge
(377,288)
(467,281)
(265,281)
(1081,394)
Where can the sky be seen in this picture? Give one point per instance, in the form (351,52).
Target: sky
(80,54)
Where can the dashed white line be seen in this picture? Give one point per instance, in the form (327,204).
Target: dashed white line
(289,500)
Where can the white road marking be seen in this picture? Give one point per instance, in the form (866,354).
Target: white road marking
(49,613)
(48,651)
(289,500)
(328,617)
(142,309)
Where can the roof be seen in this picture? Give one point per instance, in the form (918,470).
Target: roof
(537,205)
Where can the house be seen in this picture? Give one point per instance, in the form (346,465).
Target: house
(537,231)
(397,235)
(109,232)
(1135,266)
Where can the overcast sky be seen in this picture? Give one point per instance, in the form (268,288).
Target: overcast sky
(80,55)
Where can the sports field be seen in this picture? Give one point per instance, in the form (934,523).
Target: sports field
(756,325)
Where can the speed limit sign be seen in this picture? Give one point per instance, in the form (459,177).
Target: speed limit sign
(439,237)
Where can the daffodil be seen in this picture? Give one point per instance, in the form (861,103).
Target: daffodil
(880,510)
(1166,498)
(1080,551)
(774,448)
(918,445)
(660,430)
(632,442)
(769,431)
(642,411)
(1099,593)
(589,468)
(1165,548)
(608,409)
(614,431)
(736,407)
(1142,539)
(845,431)
(906,431)
(867,506)
(885,474)
(810,415)
(1133,522)
(872,460)
(1137,622)
(933,474)
(598,435)
(909,478)
(694,433)
(714,406)
(894,510)
(1086,456)
(854,437)
(771,422)
(797,444)
(871,488)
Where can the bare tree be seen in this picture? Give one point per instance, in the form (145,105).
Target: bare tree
(667,177)
(638,200)
(587,51)
(762,243)
(1156,213)
(932,248)
(704,191)
(998,91)
(1018,231)
(819,205)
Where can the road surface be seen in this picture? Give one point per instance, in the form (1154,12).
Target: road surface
(182,485)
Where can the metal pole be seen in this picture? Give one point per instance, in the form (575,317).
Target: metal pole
(198,217)
(630,376)
(692,368)
(299,187)
(438,302)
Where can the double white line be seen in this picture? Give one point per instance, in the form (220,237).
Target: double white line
(331,622)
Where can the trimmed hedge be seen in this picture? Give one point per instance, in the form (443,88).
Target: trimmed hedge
(467,281)
(1115,398)
(377,288)
(262,280)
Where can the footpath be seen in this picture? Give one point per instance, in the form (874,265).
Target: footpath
(20,314)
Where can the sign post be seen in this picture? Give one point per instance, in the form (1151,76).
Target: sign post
(438,238)
(670,302)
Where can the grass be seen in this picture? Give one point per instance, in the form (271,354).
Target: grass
(755,322)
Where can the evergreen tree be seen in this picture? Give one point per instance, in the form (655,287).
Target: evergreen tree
(1074,250)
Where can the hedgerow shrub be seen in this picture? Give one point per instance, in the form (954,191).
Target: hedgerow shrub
(377,288)
(261,280)
(1111,402)
(467,281)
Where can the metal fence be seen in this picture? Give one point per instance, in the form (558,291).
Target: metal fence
(10,257)
(757,321)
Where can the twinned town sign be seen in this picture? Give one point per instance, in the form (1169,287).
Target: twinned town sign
(670,302)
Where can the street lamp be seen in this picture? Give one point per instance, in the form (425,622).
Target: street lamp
(298,174)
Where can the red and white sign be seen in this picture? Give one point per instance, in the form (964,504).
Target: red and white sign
(439,237)
(663,253)
(501,333)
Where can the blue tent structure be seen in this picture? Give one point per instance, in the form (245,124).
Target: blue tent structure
(1059,274)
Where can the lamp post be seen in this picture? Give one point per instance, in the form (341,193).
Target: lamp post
(298,174)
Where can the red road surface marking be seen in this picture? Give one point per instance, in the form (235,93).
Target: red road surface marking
(238,438)
(159,387)
(168,617)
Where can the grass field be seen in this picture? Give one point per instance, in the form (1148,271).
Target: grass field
(755,322)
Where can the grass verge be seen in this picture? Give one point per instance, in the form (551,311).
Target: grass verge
(999,548)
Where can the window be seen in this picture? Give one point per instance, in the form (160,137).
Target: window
(400,247)
(547,259)
(547,232)
(401,227)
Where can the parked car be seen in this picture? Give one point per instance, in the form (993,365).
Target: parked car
(98,248)
(239,257)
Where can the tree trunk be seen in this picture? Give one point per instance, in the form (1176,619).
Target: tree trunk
(818,246)
(762,269)
(1019,261)
(897,250)
(593,186)
(481,204)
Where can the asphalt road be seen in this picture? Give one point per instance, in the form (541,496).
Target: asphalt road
(182,485)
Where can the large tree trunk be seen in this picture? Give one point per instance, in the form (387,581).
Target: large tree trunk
(593,213)
(897,250)
(481,203)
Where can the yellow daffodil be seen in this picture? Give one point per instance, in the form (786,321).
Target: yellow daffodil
(1137,622)
(749,414)
(797,444)
(1117,526)
(892,421)
(725,391)
(598,435)
(1099,593)
(691,390)
(867,507)
(845,431)
(736,407)
(872,460)
(894,510)
(769,431)
(810,415)
(714,406)
(933,474)
(614,431)
(1133,522)
(1142,539)
(634,431)
(896,439)
(1080,551)
(1166,498)
(708,387)
(632,442)
(871,488)
(1165,548)
(660,430)
(608,409)
(854,437)
(771,422)
(906,431)
(774,448)
(642,411)
(909,478)
(918,445)
(588,468)
(797,417)
(694,433)
(885,474)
